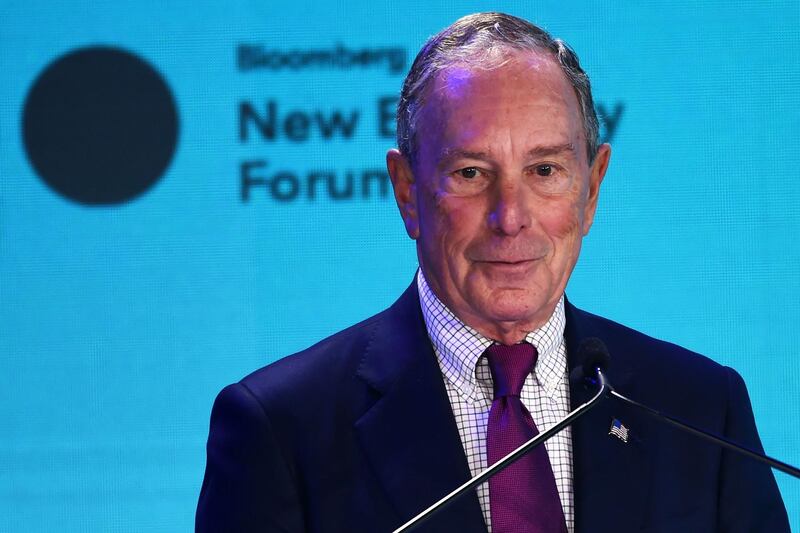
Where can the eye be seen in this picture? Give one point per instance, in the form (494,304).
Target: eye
(467,181)
(468,173)
(550,178)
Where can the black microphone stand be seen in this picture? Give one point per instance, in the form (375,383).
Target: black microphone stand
(605,390)
(596,364)
(774,463)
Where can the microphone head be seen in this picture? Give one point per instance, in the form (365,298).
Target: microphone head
(592,354)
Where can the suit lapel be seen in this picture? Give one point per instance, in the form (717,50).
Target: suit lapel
(610,476)
(409,434)
(411,439)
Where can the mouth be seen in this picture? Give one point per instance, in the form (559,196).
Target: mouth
(507,261)
(509,266)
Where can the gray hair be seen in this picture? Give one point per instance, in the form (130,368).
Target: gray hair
(485,39)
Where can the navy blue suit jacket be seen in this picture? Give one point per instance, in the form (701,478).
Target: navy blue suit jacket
(356,434)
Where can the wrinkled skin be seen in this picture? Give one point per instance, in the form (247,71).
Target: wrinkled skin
(501,192)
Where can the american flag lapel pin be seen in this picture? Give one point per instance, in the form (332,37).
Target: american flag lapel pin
(619,430)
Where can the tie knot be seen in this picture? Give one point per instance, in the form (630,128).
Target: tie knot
(510,365)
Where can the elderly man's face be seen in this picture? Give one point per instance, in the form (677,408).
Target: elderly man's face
(501,193)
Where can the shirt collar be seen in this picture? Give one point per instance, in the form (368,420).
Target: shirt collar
(459,347)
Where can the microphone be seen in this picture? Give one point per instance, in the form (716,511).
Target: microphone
(593,354)
(594,357)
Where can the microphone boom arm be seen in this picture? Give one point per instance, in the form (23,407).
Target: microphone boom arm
(605,390)
(774,463)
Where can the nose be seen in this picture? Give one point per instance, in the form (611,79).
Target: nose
(510,212)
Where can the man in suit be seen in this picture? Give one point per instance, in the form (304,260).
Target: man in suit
(497,178)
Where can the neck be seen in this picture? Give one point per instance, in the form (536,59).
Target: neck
(506,332)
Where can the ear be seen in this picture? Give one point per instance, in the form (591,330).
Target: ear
(596,175)
(405,190)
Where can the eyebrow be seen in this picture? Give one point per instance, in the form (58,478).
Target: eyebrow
(543,151)
(448,154)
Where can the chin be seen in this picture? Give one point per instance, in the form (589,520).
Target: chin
(509,311)
(517,306)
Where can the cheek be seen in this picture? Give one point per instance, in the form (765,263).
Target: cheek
(452,224)
(562,221)
(432,217)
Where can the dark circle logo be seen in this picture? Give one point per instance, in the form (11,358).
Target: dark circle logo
(100,126)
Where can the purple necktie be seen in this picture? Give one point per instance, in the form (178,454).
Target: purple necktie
(523,498)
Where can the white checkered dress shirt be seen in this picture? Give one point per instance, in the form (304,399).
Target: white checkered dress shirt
(468,381)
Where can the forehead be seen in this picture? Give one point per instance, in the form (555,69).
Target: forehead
(526,96)
(503,70)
